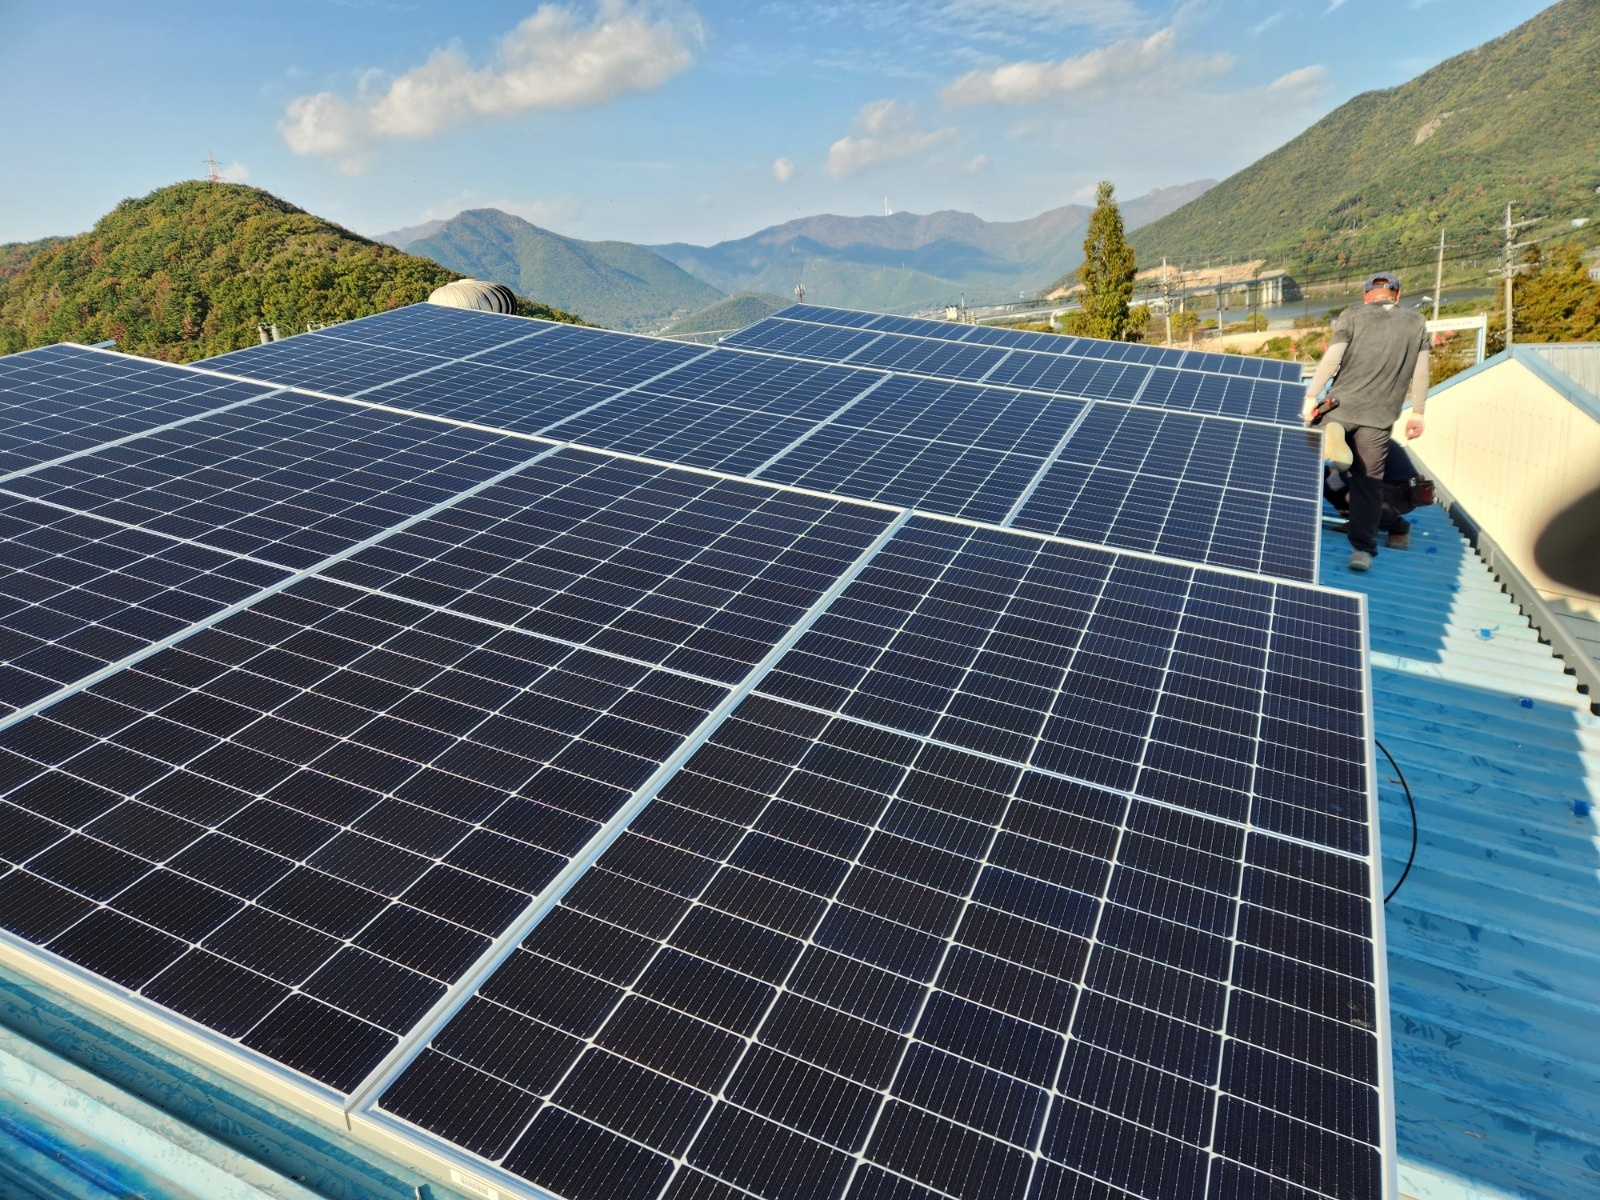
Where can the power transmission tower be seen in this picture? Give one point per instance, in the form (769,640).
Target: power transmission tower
(1509,268)
(213,168)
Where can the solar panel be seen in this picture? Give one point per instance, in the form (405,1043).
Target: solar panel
(78,594)
(973,898)
(324,364)
(61,400)
(1052,343)
(1101,371)
(298,825)
(289,478)
(1221,492)
(595,827)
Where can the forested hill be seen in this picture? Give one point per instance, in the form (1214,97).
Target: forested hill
(1374,182)
(191,270)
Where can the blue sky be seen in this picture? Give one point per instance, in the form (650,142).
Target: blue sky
(679,120)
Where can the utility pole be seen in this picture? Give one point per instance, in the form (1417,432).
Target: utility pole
(1438,277)
(1166,298)
(1510,268)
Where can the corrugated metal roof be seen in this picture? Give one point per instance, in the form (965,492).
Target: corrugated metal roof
(1494,939)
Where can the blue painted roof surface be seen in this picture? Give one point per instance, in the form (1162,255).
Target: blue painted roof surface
(1494,939)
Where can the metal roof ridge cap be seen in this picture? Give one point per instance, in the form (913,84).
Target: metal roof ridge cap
(1554,377)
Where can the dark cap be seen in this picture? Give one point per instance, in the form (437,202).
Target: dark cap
(1383,279)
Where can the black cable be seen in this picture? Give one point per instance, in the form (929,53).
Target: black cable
(1412,857)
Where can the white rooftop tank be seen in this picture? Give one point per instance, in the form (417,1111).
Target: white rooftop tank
(474,293)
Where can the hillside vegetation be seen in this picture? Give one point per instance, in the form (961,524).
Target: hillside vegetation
(616,284)
(191,270)
(731,312)
(15,256)
(1373,183)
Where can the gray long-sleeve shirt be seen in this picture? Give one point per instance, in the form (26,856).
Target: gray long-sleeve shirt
(1378,354)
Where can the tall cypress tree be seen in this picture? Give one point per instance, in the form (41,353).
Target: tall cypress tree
(1107,272)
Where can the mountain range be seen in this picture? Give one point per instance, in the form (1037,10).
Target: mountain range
(616,284)
(901,262)
(1374,183)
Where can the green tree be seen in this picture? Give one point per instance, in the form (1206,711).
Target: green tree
(1106,277)
(1557,301)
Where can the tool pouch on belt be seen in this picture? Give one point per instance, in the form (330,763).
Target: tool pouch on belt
(1419,491)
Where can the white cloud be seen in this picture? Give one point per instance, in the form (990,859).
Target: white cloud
(235,172)
(1265,24)
(1096,14)
(783,170)
(1299,85)
(885,132)
(1120,66)
(551,60)
(977,163)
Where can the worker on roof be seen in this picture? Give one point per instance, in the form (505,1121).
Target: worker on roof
(1378,356)
(1403,491)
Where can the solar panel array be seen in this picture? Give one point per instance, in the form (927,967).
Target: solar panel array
(623,769)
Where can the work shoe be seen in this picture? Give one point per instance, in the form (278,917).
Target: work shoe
(1335,449)
(1399,541)
(1360,560)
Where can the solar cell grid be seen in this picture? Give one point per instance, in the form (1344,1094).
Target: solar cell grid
(1118,373)
(78,593)
(929,356)
(324,363)
(1219,492)
(687,571)
(1030,869)
(288,478)
(435,329)
(820,343)
(1023,899)
(511,400)
(592,356)
(935,476)
(62,400)
(1227,364)
(332,792)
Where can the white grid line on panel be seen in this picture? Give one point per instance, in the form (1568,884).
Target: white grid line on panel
(275,390)
(1054,1093)
(366,1095)
(1049,395)
(823,424)
(789,487)
(292,578)
(1044,468)
(1070,354)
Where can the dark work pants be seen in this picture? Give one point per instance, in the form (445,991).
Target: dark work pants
(1369,448)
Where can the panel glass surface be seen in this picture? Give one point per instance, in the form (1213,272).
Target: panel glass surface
(967,905)
(515,401)
(1225,493)
(321,363)
(686,571)
(78,593)
(299,825)
(592,356)
(1227,364)
(435,329)
(65,399)
(289,478)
